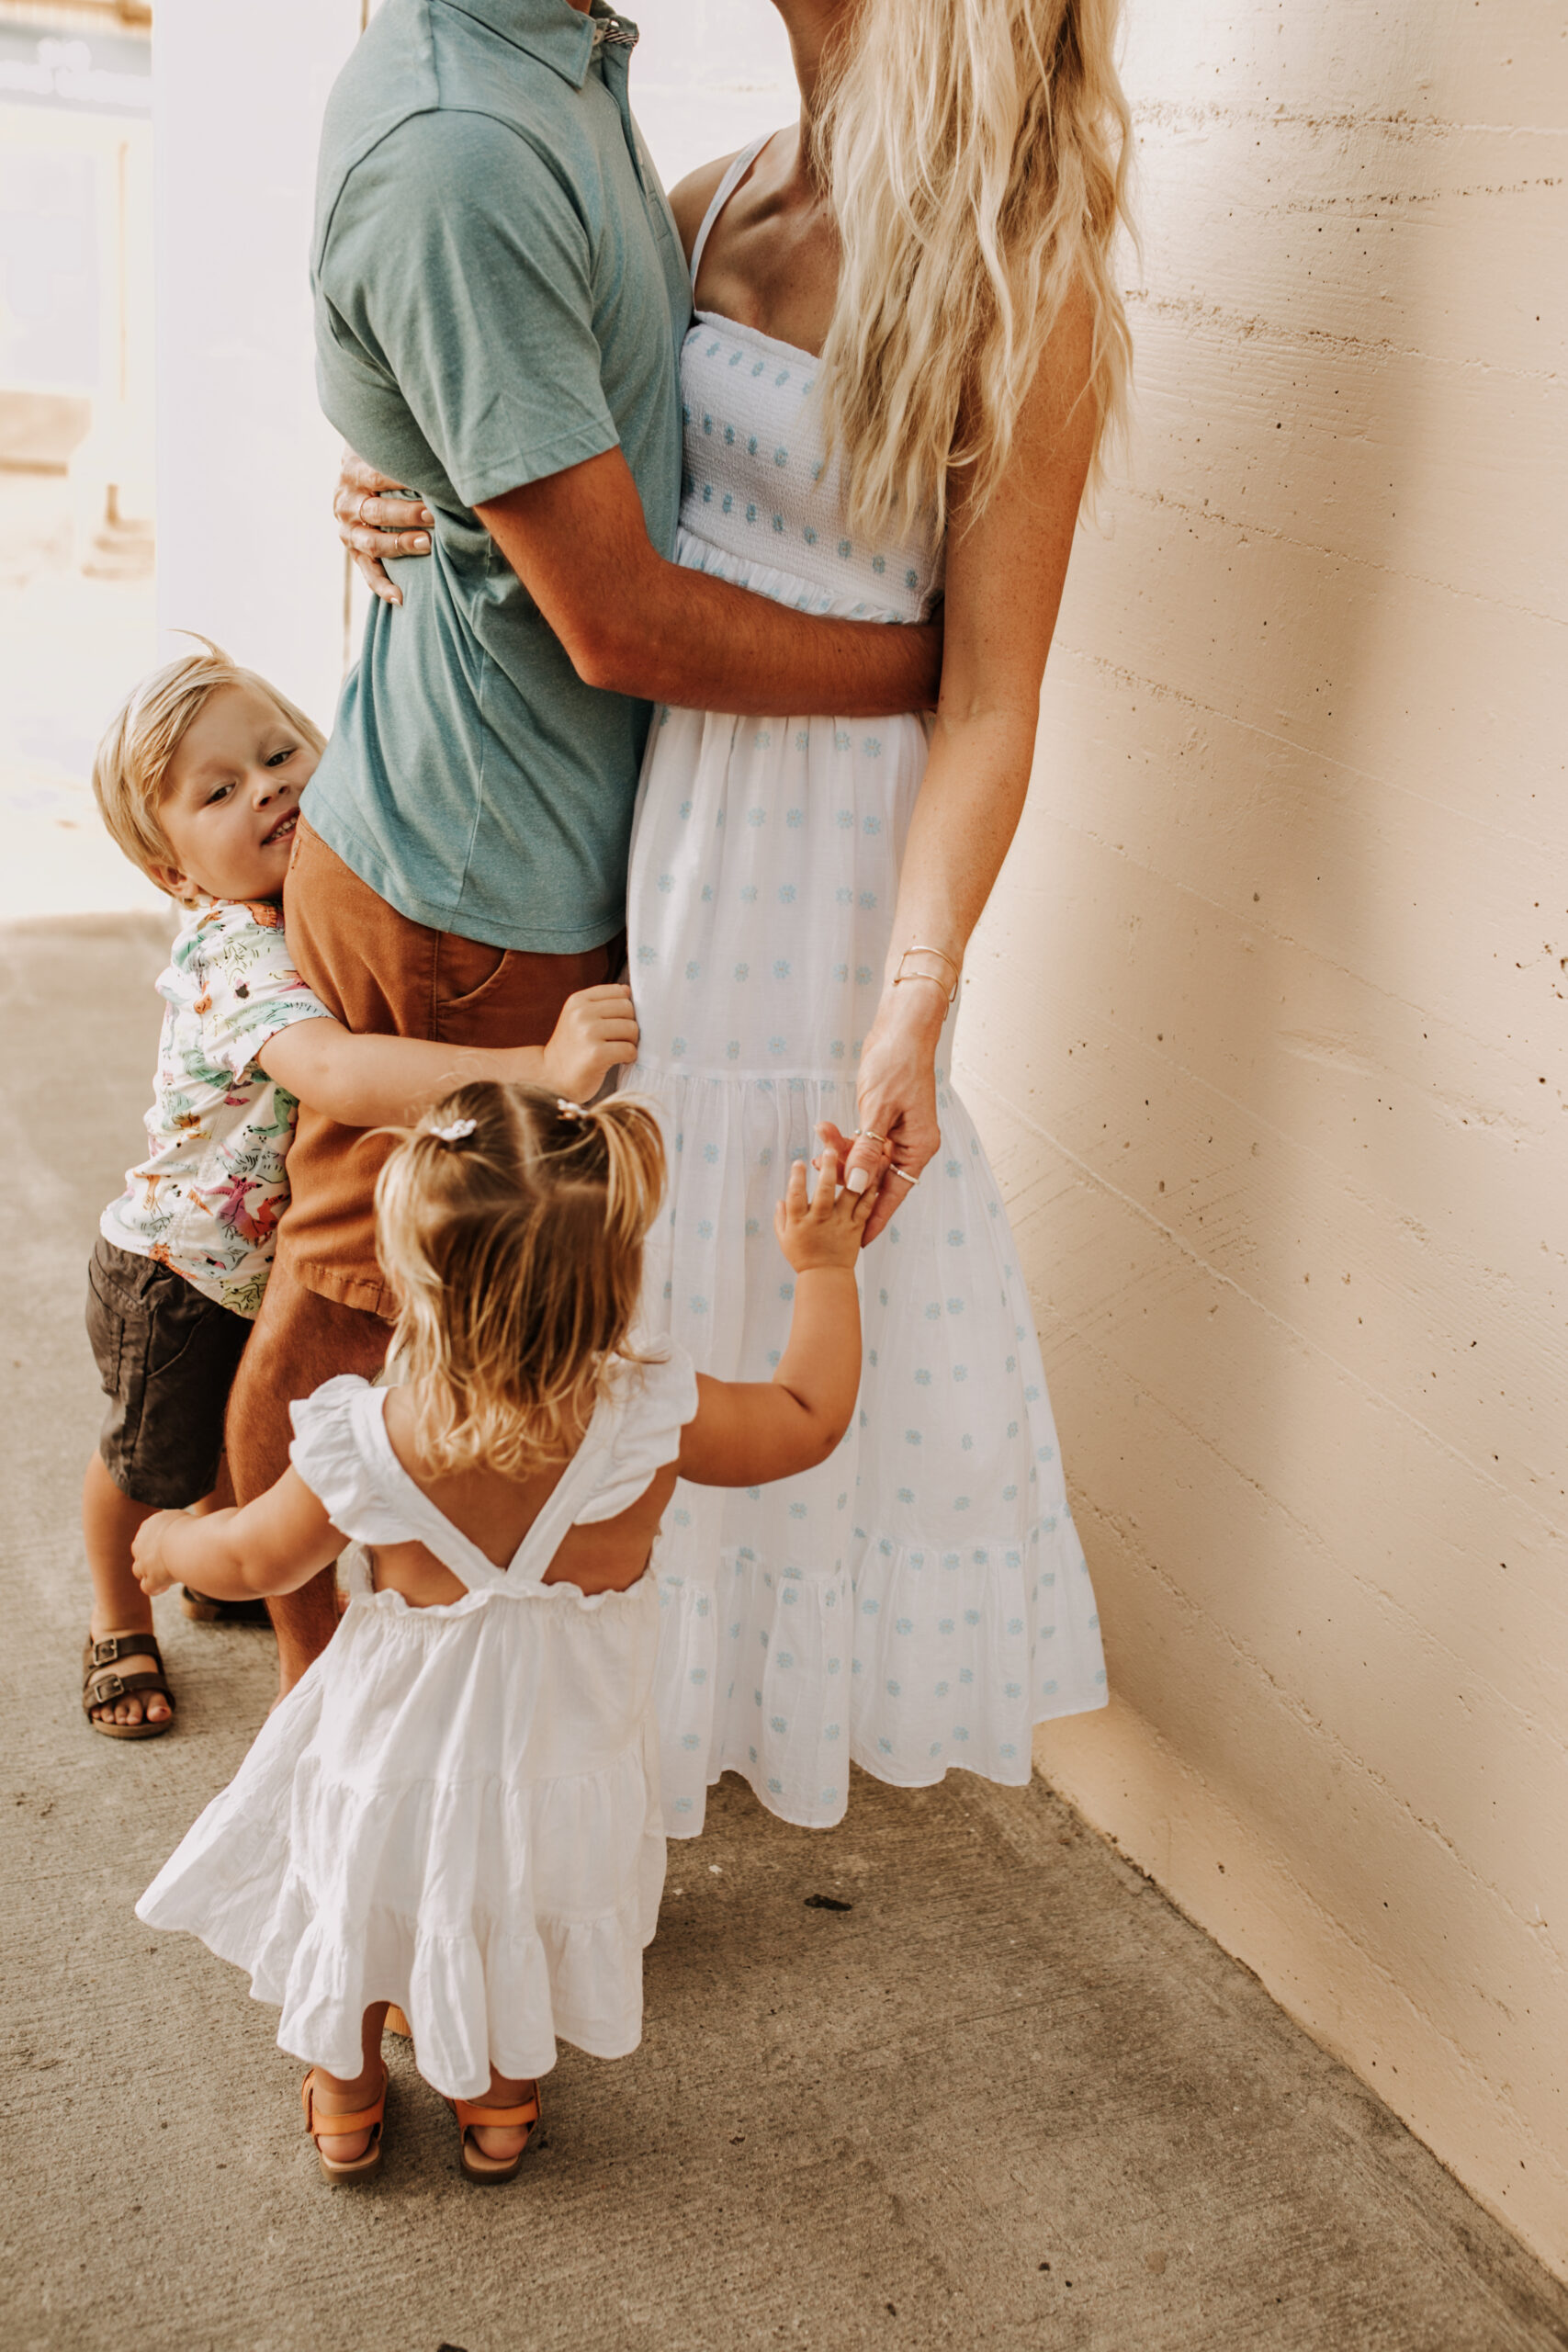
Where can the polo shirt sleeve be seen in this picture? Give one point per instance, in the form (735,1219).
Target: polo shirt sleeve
(455,259)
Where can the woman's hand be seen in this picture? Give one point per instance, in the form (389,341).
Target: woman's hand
(147,1553)
(377,517)
(896,1094)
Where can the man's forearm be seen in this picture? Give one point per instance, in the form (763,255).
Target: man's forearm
(635,623)
(703,645)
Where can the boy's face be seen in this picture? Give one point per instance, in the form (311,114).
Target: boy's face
(231,798)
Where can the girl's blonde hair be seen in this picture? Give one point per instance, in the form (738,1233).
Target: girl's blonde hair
(977,155)
(511,1228)
(131,773)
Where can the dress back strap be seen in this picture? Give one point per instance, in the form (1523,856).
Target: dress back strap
(573,1489)
(722,194)
(430,1527)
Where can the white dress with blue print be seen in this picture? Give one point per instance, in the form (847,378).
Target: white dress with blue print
(921,1600)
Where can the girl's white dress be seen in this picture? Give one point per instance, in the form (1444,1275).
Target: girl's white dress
(457,1808)
(921,1600)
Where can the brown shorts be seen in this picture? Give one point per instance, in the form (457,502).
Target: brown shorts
(385,976)
(166,1355)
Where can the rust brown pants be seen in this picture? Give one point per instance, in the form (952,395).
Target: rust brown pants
(387,976)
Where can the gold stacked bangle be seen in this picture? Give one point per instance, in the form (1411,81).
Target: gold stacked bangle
(920,948)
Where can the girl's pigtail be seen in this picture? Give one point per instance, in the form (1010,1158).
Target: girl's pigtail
(626,1130)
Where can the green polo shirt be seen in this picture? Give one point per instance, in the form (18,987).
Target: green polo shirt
(500,294)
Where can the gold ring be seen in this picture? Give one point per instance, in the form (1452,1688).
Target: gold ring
(904,1177)
(872,1136)
(359,511)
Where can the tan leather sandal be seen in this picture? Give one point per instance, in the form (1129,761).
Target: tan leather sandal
(333,2127)
(101,1685)
(490,2171)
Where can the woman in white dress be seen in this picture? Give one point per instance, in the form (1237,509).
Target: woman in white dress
(907,350)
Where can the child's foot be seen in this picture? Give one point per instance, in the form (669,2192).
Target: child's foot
(493,2131)
(124,1688)
(324,2097)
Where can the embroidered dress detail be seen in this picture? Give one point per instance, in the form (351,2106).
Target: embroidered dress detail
(206,1199)
(921,1599)
(458,1808)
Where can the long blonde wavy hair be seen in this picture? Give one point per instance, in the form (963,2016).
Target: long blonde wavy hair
(975,153)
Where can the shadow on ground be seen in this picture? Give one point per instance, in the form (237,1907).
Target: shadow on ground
(1005,2097)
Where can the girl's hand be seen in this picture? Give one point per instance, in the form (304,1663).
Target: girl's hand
(896,1095)
(377,517)
(147,1550)
(825,1231)
(597,1033)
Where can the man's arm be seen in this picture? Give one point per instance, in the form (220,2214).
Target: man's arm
(638,625)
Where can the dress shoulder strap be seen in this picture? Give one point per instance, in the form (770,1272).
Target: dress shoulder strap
(417,1518)
(722,194)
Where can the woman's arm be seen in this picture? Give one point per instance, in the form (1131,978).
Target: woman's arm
(746,1432)
(1005,576)
(363,1082)
(273,1545)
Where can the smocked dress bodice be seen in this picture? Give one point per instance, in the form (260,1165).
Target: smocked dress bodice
(759,488)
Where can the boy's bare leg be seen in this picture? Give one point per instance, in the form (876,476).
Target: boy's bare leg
(300,1340)
(110,1521)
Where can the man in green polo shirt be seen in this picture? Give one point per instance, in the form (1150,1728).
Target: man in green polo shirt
(501,300)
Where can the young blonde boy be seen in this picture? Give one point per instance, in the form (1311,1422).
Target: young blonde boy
(199,780)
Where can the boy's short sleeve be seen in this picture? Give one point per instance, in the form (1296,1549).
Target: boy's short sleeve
(456,261)
(246,985)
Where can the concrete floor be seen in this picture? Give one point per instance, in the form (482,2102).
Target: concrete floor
(1007,2097)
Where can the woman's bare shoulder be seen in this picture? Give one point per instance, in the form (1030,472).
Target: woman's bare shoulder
(690,198)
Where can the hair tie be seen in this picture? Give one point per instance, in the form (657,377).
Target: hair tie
(458,1132)
(570,1110)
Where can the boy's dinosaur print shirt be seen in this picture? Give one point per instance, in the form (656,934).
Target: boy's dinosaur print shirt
(206,1199)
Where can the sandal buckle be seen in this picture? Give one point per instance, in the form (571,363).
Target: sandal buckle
(104,1652)
(110,1686)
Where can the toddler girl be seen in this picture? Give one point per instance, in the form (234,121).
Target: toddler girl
(457,1808)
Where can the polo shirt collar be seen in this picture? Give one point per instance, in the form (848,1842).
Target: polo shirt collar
(552,31)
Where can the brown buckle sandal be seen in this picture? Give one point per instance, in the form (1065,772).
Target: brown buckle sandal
(490,2171)
(334,2127)
(203,1610)
(101,1686)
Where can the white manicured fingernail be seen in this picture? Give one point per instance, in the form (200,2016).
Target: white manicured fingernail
(856,1181)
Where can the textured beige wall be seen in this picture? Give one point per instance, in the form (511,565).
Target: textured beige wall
(1266,1030)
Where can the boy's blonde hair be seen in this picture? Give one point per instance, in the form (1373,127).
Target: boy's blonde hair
(511,1228)
(130,771)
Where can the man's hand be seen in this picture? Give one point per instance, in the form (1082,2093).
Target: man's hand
(597,1033)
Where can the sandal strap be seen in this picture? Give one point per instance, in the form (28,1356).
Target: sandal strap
(336,2126)
(470,2112)
(114,1646)
(100,1690)
(101,1686)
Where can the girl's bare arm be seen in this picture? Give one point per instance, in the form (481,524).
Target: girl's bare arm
(746,1432)
(273,1545)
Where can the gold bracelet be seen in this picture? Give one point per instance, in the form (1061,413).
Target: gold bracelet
(920,948)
